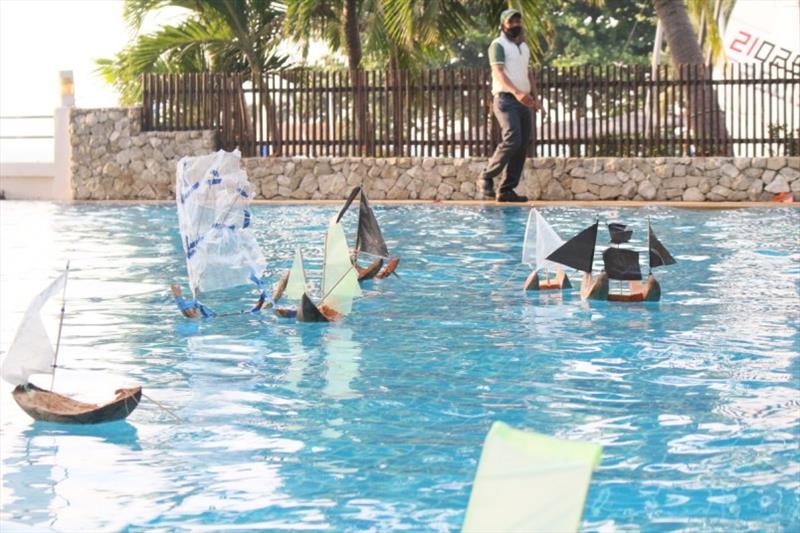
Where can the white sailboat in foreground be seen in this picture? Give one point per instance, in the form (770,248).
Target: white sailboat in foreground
(32,352)
(540,241)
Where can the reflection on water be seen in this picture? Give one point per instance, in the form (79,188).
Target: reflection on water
(343,354)
(377,422)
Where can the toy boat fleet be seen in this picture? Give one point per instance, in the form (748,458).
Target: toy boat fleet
(213,198)
(548,478)
(545,249)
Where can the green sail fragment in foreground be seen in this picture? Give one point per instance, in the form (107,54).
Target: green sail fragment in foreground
(530,482)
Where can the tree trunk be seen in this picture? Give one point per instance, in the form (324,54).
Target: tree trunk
(268,107)
(395,88)
(706,118)
(353,41)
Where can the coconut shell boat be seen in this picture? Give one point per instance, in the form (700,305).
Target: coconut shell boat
(32,352)
(47,406)
(540,241)
(369,240)
(619,264)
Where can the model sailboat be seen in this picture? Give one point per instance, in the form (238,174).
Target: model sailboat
(530,482)
(32,352)
(369,239)
(213,199)
(620,264)
(540,241)
(339,282)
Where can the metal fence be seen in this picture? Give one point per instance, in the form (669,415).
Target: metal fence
(740,109)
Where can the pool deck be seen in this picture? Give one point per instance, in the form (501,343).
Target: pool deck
(486,203)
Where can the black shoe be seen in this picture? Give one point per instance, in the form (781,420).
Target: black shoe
(511,196)
(487,195)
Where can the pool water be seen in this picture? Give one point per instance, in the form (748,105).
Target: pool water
(377,422)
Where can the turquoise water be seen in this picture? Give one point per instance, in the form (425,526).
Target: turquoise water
(377,422)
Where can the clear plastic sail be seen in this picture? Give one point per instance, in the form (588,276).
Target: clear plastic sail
(213,197)
(540,241)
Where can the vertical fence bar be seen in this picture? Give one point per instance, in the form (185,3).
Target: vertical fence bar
(619,80)
(408,112)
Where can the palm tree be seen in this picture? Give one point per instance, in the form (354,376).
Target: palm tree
(395,33)
(215,36)
(706,118)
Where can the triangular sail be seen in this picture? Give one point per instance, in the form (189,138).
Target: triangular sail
(540,241)
(339,280)
(369,238)
(659,255)
(530,482)
(213,198)
(578,252)
(296,285)
(622,264)
(31,351)
(348,202)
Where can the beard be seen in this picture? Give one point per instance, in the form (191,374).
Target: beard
(513,32)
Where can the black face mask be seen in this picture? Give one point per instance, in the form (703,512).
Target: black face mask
(513,32)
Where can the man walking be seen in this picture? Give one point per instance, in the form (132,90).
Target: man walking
(513,102)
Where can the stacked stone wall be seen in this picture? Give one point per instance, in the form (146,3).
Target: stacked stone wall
(112,159)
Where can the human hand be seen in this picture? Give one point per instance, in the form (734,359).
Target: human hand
(537,104)
(525,99)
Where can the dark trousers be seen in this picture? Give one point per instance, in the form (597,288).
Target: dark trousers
(515,125)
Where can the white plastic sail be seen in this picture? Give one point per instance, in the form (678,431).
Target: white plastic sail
(31,351)
(530,482)
(540,241)
(213,197)
(339,279)
(296,285)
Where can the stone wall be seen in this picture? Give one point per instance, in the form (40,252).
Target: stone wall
(113,159)
(676,179)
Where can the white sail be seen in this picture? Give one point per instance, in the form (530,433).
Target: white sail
(540,241)
(296,285)
(31,351)
(530,482)
(339,279)
(213,197)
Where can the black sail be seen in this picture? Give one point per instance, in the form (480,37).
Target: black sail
(659,255)
(369,238)
(622,264)
(620,234)
(578,252)
(349,201)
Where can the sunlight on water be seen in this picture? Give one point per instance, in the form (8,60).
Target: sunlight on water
(377,422)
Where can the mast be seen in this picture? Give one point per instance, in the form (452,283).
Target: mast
(60,325)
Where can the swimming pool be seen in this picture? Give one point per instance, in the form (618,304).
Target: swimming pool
(377,422)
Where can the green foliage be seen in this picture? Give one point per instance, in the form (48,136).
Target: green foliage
(562,33)
(788,140)
(215,36)
(402,33)
(618,32)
